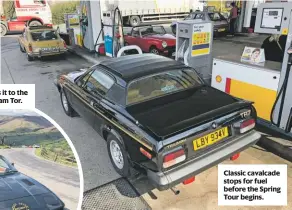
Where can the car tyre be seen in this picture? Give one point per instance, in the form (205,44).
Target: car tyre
(63,56)
(35,23)
(65,104)
(29,58)
(21,49)
(135,21)
(154,50)
(118,156)
(3,30)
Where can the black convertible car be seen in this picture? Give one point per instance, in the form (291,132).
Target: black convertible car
(18,191)
(158,116)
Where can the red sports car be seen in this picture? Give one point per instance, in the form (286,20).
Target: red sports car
(152,39)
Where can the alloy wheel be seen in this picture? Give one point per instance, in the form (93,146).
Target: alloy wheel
(65,102)
(116,154)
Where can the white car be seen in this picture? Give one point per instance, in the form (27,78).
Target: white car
(36,146)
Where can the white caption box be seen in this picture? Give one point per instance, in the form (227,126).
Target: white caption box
(243,185)
(17,96)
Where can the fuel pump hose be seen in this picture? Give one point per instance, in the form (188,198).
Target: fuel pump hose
(120,20)
(283,93)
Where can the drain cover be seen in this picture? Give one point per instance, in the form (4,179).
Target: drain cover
(118,194)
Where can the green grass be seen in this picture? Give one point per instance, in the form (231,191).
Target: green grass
(19,139)
(4,147)
(58,151)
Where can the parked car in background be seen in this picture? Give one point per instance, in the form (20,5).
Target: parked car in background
(220,23)
(33,13)
(36,146)
(41,41)
(19,191)
(152,39)
(159,116)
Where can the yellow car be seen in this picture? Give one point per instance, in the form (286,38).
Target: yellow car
(40,41)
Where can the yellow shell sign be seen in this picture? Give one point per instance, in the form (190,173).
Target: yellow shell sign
(285,31)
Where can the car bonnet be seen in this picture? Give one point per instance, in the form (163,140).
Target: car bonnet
(15,186)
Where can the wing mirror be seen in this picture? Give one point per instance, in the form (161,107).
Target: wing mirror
(12,164)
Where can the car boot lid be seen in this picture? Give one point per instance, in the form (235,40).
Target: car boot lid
(15,186)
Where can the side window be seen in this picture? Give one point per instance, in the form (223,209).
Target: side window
(199,16)
(98,83)
(136,33)
(81,81)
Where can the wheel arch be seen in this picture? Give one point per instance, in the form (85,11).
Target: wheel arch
(107,129)
(4,23)
(154,45)
(35,19)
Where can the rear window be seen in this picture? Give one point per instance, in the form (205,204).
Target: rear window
(162,84)
(44,35)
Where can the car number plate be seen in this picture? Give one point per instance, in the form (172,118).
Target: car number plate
(221,29)
(52,49)
(211,138)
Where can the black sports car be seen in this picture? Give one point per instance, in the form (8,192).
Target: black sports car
(158,116)
(18,191)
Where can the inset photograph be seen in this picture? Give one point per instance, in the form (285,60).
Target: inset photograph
(38,168)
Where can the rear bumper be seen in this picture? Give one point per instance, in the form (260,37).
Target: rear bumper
(166,180)
(221,30)
(48,53)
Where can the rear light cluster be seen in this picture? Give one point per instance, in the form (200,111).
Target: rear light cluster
(65,45)
(173,158)
(245,125)
(29,48)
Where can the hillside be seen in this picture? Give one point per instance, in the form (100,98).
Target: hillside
(27,130)
(23,123)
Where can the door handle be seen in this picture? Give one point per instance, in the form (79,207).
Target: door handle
(37,13)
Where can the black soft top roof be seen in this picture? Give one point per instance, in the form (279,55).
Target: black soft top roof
(130,67)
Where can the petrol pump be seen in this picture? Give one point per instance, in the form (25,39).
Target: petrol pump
(194,40)
(113,31)
(90,24)
(268,85)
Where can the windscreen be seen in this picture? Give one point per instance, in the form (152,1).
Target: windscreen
(44,35)
(145,31)
(4,167)
(216,16)
(162,84)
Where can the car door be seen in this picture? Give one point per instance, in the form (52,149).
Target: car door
(75,93)
(135,37)
(95,89)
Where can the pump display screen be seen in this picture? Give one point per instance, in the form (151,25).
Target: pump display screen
(272,18)
(273,13)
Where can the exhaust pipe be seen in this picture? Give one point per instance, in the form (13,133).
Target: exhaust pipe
(175,191)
